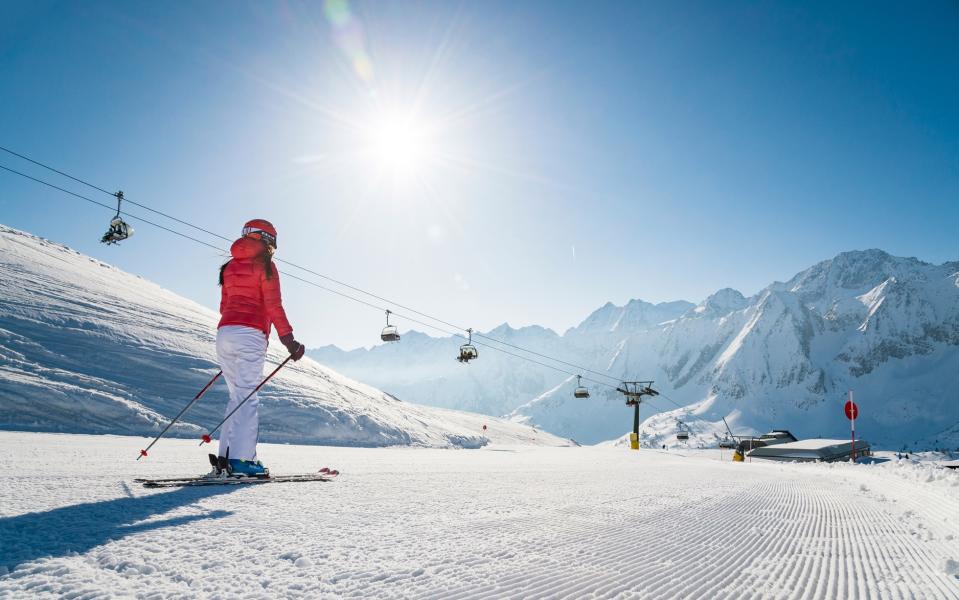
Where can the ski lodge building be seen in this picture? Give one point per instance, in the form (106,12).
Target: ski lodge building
(816,450)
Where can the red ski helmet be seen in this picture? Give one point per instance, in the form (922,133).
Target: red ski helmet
(260,229)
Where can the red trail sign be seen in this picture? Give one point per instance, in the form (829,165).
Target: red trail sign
(852,411)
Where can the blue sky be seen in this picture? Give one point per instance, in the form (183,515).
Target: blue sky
(552,156)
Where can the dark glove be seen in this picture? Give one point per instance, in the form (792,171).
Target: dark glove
(296,348)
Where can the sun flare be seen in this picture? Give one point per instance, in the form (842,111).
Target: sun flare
(400,144)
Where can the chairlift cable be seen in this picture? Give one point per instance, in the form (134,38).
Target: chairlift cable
(67,175)
(198,228)
(286,262)
(569,364)
(307,270)
(127,213)
(291,264)
(306,281)
(183,235)
(100,189)
(674,403)
(293,276)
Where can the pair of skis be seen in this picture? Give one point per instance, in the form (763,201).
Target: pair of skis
(324,474)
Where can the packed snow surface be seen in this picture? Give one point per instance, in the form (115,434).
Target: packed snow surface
(88,348)
(524,522)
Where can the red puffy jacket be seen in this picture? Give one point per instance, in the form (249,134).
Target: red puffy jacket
(248,297)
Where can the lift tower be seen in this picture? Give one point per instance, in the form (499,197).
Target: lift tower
(634,392)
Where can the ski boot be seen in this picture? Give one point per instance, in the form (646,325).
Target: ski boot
(220,467)
(246,468)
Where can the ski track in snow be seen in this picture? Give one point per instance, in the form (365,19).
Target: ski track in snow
(504,522)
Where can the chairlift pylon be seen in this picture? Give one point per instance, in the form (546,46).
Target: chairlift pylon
(389,333)
(468,350)
(580,391)
(119,229)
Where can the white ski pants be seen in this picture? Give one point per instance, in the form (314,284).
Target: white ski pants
(241,352)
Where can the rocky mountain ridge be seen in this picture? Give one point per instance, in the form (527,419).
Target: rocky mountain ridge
(884,326)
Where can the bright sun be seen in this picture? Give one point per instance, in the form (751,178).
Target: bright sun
(400,144)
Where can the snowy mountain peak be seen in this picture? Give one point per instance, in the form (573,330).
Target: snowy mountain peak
(635,314)
(600,319)
(505,330)
(721,303)
(856,271)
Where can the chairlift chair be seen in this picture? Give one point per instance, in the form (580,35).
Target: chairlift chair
(468,351)
(389,333)
(119,229)
(580,391)
(682,431)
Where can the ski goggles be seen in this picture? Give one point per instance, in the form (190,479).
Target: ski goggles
(259,234)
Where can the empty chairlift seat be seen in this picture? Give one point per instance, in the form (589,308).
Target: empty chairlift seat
(580,391)
(389,333)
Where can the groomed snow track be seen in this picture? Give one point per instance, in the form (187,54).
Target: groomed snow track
(798,538)
(507,522)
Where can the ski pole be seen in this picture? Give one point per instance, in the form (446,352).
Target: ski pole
(182,412)
(206,436)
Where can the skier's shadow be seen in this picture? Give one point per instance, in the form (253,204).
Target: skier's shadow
(81,527)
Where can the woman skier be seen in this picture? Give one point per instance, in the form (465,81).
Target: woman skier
(250,306)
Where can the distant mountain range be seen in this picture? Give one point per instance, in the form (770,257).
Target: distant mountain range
(883,326)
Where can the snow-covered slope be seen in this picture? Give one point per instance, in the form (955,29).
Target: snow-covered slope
(494,523)
(85,347)
(883,326)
